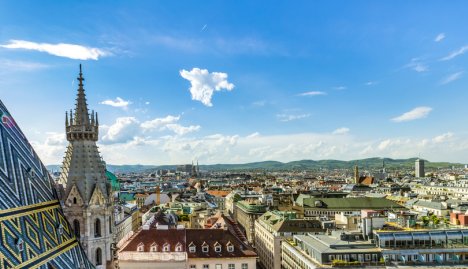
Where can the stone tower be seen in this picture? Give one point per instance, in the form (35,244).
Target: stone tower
(356,174)
(86,193)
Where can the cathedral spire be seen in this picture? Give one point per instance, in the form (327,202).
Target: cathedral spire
(81,110)
(82,125)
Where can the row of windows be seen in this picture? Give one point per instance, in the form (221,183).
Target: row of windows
(325,212)
(206,248)
(154,247)
(220,266)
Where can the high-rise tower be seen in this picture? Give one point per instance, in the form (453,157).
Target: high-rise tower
(87,195)
(419,168)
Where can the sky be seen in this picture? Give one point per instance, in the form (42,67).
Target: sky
(241,81)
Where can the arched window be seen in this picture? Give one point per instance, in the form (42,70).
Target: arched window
(110,225)
(98,256)
(74,200)
(97,228)
(76,228)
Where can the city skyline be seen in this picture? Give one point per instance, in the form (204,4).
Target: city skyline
(176,82)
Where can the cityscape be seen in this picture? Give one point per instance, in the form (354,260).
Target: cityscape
(233,135)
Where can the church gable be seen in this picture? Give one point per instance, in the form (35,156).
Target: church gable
(74,197)
(97,198)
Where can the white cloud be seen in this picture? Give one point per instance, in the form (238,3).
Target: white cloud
(439,37)
(442,138)
(118,102)
(455,53)
(312,93)
(124,129)
(340,88)
(290,117)
(147,103)
(21,65)
(451,77)
(204,84)
(160,123)
(417,65)
(340,131)
(71,51)
(219,148)
(252,135)
(414,114)
(182,130)
(371,83)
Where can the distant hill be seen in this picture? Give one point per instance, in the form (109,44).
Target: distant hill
(369,163)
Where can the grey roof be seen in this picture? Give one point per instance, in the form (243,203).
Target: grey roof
(329,244)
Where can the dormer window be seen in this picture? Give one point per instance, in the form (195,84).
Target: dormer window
(141,247)
(166,247)
(20,245)
(205,247)
(154,247)
(230,247)
(178,247)
(192,248)
(217,247)
(60,229)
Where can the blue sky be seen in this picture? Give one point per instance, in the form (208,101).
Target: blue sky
(241,81)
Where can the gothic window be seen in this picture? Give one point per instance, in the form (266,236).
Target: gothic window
(74,200)
(98,256)
(76,228)
(97,228)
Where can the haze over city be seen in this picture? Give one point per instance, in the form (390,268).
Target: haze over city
(241,81)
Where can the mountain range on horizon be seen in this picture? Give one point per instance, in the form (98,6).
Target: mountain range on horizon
(368,163)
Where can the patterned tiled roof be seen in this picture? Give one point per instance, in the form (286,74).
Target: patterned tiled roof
(34,230)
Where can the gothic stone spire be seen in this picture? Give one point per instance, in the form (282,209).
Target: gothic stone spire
(81,124)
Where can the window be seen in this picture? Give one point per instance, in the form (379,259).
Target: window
(76,228)
(206,266)
(166,247)
(231,266)
(219,266)
(97,228)
(74,200)
(60,229)
(193,266)
(245,266)
(141,247)
(20,245)
(154,247)
(98,256)
(230,248)
(178,247)
(192,249)
(205,249)
(218,248)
